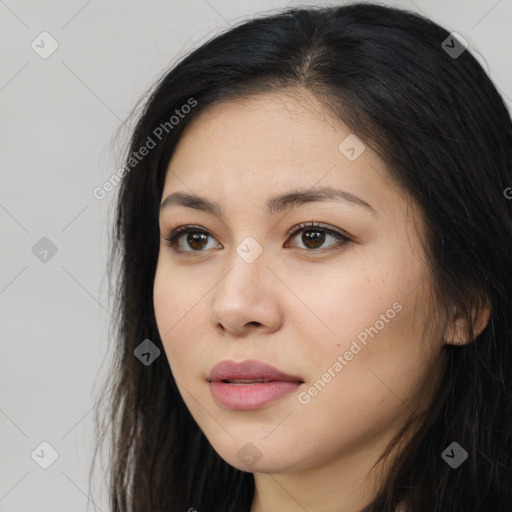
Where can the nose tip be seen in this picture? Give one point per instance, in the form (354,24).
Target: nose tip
(244,302)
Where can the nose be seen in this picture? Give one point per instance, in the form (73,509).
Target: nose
(246,299)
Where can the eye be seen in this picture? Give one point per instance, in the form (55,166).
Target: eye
(196,238)
(314,236)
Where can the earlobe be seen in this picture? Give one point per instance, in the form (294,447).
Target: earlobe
(458,333)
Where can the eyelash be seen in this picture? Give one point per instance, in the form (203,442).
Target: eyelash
(173,236)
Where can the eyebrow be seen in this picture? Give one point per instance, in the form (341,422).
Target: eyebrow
(274,204)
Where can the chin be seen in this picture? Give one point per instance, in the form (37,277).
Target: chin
(257,458)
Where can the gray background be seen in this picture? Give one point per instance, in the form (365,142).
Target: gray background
(58,118)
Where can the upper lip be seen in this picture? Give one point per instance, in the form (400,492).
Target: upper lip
(230,370)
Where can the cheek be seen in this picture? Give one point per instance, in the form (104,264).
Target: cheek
(168,301)
(162,298)
(172,297)
(383,364)
(177,307)
(372,386)
(337,309)
(375,323)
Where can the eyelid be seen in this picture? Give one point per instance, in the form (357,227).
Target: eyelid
(173,234)
(343,237)
(324,227)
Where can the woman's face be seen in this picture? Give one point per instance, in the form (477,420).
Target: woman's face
(344,318)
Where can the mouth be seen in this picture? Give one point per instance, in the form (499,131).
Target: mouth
(250,384)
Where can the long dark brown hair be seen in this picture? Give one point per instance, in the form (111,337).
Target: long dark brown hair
(442,128)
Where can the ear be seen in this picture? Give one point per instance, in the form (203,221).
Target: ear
(457,332)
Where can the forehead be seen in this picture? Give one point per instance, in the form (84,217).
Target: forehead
(267,140)
(279,119)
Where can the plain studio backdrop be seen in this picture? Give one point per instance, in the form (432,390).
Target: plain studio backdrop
(71,72)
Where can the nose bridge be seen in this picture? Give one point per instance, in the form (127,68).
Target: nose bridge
(247,268)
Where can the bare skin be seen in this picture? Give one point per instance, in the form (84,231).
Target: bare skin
(298,306)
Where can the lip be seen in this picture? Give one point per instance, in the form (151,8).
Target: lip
(251,369)
(249,396)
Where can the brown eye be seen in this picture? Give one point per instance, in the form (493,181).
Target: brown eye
(314,236)
(313,239)
(196,239)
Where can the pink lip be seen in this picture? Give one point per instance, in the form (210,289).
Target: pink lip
(249,396)
(229,370)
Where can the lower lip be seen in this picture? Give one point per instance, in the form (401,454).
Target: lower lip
(250,396)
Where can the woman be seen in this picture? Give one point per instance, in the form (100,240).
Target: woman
(314,280)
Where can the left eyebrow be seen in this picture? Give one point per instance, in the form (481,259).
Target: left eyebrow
(274,204)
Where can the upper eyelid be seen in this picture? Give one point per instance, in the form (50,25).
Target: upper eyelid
(303,226)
